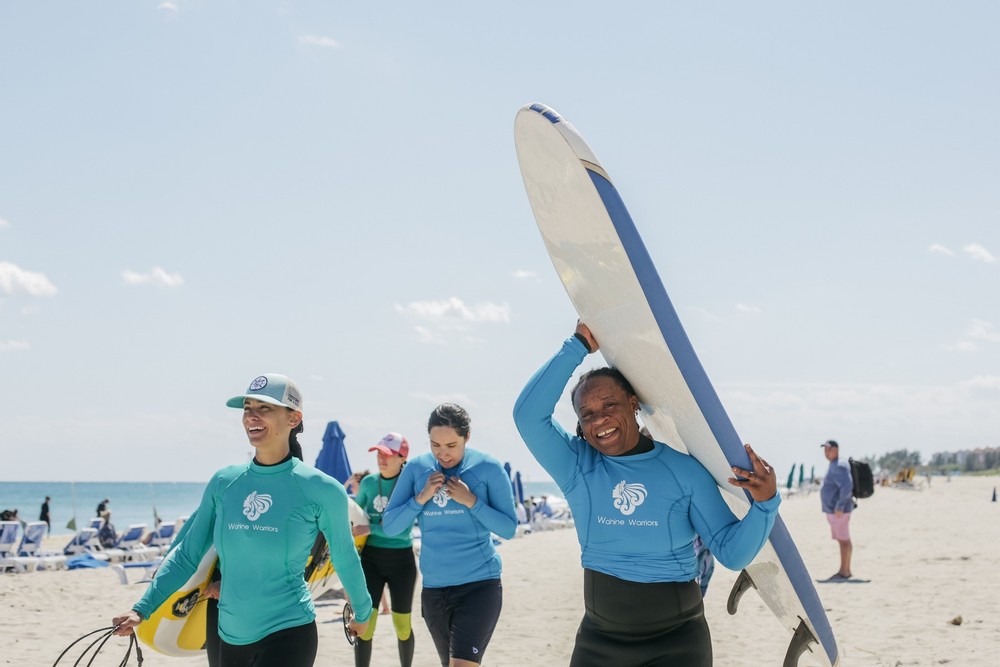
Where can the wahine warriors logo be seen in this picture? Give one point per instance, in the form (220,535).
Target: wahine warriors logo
(255,505)
(628,496)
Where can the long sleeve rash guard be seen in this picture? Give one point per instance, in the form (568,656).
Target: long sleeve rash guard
(263,521)
(837,492)
(373,497)
(456,541)
(636,516)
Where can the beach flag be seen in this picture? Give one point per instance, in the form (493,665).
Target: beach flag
(71,524)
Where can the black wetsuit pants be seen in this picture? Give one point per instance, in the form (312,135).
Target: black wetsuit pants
(631,624)
(291,647)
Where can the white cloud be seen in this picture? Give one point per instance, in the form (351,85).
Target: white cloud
(521,275)
(169,7)
(962,346)
(454,309)
(13,345)
(4,223)
(15,279)
(979,253)
(938,248)
(156,276)
(318,40)
(450,320)
(982,330)
(750,310)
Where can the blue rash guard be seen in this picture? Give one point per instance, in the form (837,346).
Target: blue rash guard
(837,492)
(456,541)
(263,521)
(636,516)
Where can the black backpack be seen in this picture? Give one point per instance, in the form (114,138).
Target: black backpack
(864,481)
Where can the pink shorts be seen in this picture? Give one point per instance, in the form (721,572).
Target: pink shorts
(839,529)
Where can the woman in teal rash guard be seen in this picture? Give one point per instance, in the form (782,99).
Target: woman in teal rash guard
(637,505)
(459,496)
(386,559)
(263,518)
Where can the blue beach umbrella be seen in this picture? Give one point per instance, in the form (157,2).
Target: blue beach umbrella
(518,488)
(791,476)
(332,458)
(802,473)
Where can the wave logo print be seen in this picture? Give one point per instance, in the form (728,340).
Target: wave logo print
(628,496)
(380,503)
(255,505)
(441,497)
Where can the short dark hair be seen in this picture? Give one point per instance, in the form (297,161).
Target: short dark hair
(450,415)
(605,371)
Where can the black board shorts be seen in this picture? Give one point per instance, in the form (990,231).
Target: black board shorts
(628,624)
(461,619)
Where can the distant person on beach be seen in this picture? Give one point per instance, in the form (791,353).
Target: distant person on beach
(354,481)
(45,515)
(459,496)
(836,497)
(638,505)
(263,517)
(387,559)
(102,507)
(106,534)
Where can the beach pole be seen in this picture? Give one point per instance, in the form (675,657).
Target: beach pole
(71,524)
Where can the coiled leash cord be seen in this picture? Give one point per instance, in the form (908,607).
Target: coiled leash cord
(99,643)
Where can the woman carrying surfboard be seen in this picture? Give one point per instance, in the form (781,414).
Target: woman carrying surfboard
(459,496)
(637,505)
(262,518)
(386,559)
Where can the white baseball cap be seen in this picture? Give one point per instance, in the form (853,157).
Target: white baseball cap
(273,388)
(392,443)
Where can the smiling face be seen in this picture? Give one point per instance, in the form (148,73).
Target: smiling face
(447,445)
(607,415)
(268,425)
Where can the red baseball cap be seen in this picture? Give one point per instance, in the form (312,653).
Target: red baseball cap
(392,443)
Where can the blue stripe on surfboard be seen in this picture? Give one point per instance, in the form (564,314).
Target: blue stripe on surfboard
(705,396)
(548,113)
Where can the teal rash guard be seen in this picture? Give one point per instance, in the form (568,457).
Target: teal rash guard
(456,541)
(636,516)
(263,521)
(373,497)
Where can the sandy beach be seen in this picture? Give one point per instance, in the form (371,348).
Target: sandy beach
(931,556)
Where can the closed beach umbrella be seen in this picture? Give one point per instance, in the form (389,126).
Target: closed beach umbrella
(332,458)
(802,473)
(791,476)
(518,488)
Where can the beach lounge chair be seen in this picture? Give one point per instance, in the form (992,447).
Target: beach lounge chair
(81,541)
(31,541)
(163,535)
(131,543)
(9,531)
(29,554)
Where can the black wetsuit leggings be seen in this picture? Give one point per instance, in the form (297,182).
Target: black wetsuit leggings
(396,567)
(630,624)
(291,647)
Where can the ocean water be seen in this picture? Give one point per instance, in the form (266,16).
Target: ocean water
(131,502)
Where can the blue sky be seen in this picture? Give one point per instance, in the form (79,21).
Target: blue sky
(194,193)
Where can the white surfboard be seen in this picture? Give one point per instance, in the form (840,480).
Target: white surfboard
(611,280)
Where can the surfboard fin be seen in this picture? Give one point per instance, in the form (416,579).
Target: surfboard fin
(742,585)
(801,640)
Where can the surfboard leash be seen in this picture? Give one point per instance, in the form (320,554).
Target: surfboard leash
(101,640)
